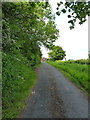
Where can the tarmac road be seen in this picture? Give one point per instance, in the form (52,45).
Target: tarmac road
(54,96)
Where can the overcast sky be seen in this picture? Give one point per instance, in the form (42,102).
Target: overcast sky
(74,42)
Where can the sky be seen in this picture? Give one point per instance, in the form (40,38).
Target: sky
(74,42)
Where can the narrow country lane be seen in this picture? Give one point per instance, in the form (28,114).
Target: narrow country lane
(54,96)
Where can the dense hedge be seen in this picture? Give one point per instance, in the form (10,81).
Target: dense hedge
(18,78)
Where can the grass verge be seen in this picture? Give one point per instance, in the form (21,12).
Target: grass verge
(18,79)
(78,73)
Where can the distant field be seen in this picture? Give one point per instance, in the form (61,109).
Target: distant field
(78,73)
(82,61)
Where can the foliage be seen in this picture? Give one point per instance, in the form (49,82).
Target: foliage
(25,27)
(57,53)
(77,11)
(31,22)
(78,73)
(18,79)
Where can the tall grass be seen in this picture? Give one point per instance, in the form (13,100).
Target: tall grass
(78,73)
(18,79)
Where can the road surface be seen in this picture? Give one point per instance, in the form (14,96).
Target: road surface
(54,96)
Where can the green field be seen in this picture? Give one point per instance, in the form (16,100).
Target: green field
(82,61)
(78,73)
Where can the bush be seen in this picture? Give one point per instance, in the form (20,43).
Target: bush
(18,79)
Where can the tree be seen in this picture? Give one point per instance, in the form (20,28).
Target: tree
(57,53)
(78,10)
(26,27)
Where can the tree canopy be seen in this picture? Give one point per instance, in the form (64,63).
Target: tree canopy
(57,53)
(26,27)
(78,10)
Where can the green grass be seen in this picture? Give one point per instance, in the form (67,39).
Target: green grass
(18,79)
(82,61)
(78,73)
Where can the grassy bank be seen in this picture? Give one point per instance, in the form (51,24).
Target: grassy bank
(78,73)
(18,79)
